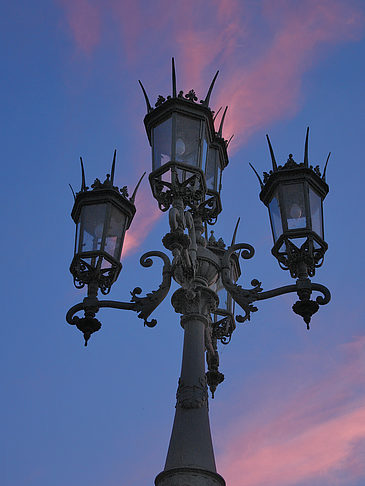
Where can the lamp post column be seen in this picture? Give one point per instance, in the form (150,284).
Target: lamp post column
(190,458)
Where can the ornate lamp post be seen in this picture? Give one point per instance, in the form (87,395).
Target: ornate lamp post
(188,157)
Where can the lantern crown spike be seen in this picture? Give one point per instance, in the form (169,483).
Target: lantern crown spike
(216,114)
(136,189)
(325,168)
(229,140)
(257,175)
(235,232)
(174,91)
(113,167)
(205,102)
(73,192)
(219,133)
(274,164)
(306,163)
(83,183)
(148,104)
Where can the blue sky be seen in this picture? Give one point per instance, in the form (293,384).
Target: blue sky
(291,410)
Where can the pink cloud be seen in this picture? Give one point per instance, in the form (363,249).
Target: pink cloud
(146,217)
(318,434)
(287,38)
(84,21)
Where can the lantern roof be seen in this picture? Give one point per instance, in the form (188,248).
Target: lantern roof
(292,170)
(104,191)
(184,103)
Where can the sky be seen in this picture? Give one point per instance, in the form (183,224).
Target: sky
(291,411)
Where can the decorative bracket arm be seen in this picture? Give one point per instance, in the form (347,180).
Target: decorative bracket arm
(304,307)
(144,305)
(243,297)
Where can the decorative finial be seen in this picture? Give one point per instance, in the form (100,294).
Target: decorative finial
(148,104)
(229,140)
(173,79)
(274,164)
(235,232)
(73,192)
(137,186)
(113,168)
(325,167)
(259,178)
(222,121)
(207,98)
(83,183)
(306,164)
(215,116)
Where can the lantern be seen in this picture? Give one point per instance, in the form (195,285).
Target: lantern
(186,151)
(102,216)
(217,161)
(294,194)
(224,314)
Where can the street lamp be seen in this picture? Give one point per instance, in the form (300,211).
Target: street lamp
(188,157)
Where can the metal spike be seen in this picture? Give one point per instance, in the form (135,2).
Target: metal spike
(173,79)
(222,121)
(306,164)
(259,178)
(148,104)
(215,116)
(274,165)
(73,192)
(229,141)
(83,183)
(235,232)
(113,167)
(207,98)
(137,186)
(325,167)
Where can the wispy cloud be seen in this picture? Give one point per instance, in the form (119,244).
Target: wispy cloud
(285,39)
(263,48)
(146,216)
(319,434)
(84,20)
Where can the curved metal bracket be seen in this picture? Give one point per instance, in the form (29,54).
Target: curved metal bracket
(244,297)
(144,305)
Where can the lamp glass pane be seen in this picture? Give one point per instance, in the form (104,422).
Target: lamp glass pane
(187,140)
(294,206)
(91,227)
(315,203)
(211,169)
(162,135)
(275,216)
(115,233)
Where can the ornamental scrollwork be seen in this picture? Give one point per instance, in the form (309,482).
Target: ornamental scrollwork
(243,297)
(146,305)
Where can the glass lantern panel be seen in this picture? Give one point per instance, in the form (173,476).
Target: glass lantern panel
(115,233)
(91,227)
(187,140)
(211,169)
(315,203)
(204,153)
(294,205)
(223,299)
(162,135)
(275,216)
